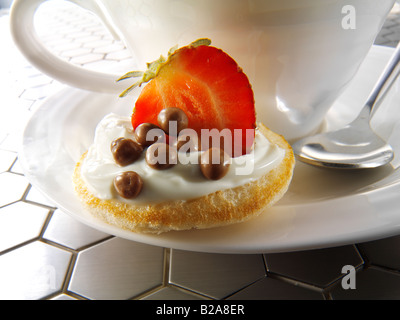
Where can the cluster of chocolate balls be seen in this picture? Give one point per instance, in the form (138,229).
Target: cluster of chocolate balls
(160,155)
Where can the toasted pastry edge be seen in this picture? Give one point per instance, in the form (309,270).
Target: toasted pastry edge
(220,208)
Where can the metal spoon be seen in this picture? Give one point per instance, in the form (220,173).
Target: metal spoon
(355,146)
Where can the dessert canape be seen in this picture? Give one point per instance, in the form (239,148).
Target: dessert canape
(191,155)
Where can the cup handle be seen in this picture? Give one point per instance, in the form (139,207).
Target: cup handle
(27,40)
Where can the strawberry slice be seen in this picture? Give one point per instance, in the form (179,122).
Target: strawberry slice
(203,81)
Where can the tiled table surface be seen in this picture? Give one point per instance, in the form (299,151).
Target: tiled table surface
(45,254)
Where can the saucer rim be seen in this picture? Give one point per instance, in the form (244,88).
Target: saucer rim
(231,239)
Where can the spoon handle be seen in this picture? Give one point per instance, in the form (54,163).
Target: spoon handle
(384,82)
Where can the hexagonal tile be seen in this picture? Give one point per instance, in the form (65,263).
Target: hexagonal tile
(63,297)
(71,233)
(66,46)
(117,269)
(33,271)
(86,39)
(87,58)
(36,93)
(102,65)
(36,196)
(12,187)
(16,167)
(371,284)
(75,52)
(58,42)
(7,158)
(318,267)
(215,275)
(119,55)
(378,254)
(100,45)
(20,222)
(273,289)
(110,47)
(173,293)
(36,81)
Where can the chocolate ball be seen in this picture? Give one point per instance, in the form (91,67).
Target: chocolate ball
(115,142)
(161,156)
(214,163)
(125,151)
(128,184)
(170,117)
(148,133)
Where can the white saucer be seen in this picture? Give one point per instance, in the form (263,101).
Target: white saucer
(322,208)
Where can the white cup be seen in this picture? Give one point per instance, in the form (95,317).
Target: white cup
(298,54)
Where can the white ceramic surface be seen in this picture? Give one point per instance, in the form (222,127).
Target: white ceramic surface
(298,54)
(322,208)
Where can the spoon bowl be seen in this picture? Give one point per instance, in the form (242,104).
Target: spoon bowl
(356,146)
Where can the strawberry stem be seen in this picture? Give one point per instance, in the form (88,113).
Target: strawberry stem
(200,42)
(131,74)
(154,67)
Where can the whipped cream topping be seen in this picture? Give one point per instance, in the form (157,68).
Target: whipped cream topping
(183,181)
